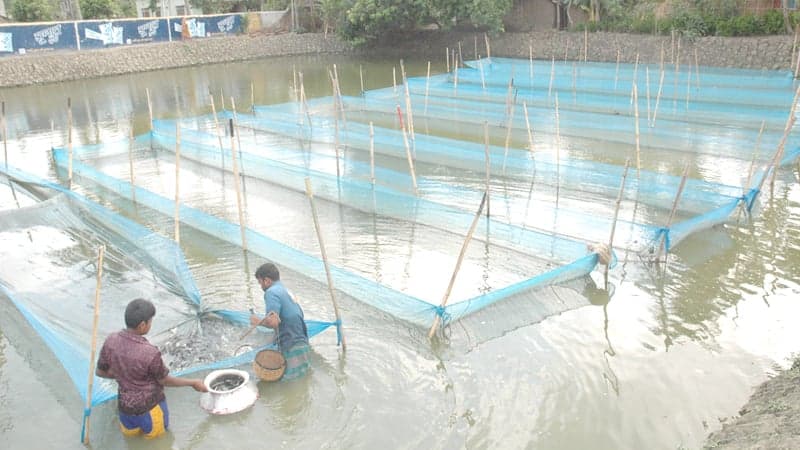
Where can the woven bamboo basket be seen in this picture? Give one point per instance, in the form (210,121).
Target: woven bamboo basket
(269,365)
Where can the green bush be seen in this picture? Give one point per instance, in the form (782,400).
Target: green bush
(772,22)
(32,10)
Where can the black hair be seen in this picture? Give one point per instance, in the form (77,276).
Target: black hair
(268,270)
(138,311)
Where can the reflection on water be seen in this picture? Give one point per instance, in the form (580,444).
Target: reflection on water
(652,362)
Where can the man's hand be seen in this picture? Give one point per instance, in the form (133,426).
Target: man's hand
(199,386)
(255,320)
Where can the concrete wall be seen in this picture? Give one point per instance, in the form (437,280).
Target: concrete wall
(770,52)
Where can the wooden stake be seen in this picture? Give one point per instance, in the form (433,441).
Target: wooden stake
(336,122)
(310,195)
(636,127)
(427,86)
(794,43)
(647,91)
(361,77)
(488,162)
(616,214)
(236,120)
(476,47)
(528,126)
(616,71)
(460,56)
(509,127)
(69,142)
(5,131)
(95,321)
(697,69)
(558,152)
(447,58)
(483,80)
(149,107)
(488,48)
(408,152)
(464,246)
(585,44)
(662,244)
(252,98)
(218,132)
(130,165)
(552,74)
(658,98)
(394,80)
(530,63)
(177,181)
(371,154)
(242,227)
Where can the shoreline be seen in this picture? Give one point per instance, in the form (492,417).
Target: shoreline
(763,52)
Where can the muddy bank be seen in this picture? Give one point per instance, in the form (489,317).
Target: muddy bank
(770,52)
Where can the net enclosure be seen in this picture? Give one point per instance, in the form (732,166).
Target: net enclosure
(50,240)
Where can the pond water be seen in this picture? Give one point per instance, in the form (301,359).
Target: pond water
(660,364)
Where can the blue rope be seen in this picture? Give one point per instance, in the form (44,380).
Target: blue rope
(86,413)
(664,231)
(338,324)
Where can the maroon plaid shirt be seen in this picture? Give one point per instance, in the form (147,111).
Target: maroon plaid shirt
(137,366)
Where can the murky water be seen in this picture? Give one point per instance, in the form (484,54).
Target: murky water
(660,364)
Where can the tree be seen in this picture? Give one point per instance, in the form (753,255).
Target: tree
(107,9)
(368,20)
(32,10)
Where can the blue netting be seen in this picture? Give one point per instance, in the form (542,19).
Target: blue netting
(50,263)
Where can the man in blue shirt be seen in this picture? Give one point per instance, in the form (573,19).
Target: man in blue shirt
(284,316)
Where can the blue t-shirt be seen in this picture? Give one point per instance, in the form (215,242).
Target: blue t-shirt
(292,329)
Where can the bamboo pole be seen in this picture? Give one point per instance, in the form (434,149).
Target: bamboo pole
(488,168)
(336,122)
(447,58)
(697,69)
(509,127)
(552,74)
(488,48)
(455,80)
(304,102)
(464,246)
(236,120)
(528,127)
(130,165)
(483,79)
(360,77)
(636,127)
(530,63)
(177,182)
(616,71)
(585,44)
(69,142)
(408,152)
(427,85)
(222,100)
(558,152)
(647,91)
(794,43)
(95,321)
(242,227)
(460,56)
(218,132)
(635,78)
(5,131)
(616,214)
(371,154)
(149,107)
(252,98)
(658,99)
(294,82)
(797,67)
(394,80)
(310,195)
(688,85)
(663,240)
(476,47)
(779,152)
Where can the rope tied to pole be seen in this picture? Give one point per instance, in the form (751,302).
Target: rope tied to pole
(603,252)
